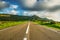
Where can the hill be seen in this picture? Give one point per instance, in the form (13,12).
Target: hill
(9,17)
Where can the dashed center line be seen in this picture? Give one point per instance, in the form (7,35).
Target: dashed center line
(27,32)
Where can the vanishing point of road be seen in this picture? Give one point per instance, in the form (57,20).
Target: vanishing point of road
(28,31)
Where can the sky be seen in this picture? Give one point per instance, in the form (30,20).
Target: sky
(43,8)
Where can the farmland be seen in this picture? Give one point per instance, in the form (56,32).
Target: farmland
(7,20)
(5,24)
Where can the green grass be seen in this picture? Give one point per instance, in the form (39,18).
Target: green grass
(55,26)
(6,24)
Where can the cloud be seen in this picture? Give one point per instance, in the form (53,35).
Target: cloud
(44,14)
(32,5)
(14,6)
(53,15)
(51,3)
(11,9)
(30,13)
(40,5)
(37,13)
(3,4)
(14,12)
(54,8)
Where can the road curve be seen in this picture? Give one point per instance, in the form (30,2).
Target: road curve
(38,32)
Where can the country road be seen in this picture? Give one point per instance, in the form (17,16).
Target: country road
(28,31)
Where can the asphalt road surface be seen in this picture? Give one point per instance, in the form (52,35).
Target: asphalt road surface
(28,31)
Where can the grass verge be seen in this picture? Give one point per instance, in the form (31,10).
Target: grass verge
(53,26)
(6,24)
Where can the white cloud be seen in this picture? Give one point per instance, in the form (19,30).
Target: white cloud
(3,2)
(14,6)
(53,15)
(30,13)
(52,3)
(14,12)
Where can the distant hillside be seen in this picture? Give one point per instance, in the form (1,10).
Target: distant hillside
(9,17)
(34,17)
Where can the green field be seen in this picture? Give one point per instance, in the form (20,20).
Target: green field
(55,25)
(5,24)
(7,20)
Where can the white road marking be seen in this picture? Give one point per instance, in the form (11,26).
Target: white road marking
(25,38)
(28,28)
(27,31)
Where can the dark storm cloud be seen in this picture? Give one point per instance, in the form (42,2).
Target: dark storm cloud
(32,5)
(54,8)
(38,5)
